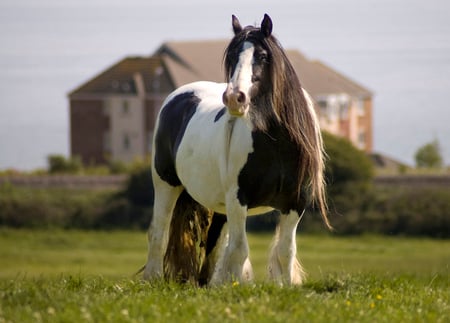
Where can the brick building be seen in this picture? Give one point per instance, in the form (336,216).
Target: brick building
(112,115)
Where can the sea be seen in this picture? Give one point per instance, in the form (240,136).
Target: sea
(399,49)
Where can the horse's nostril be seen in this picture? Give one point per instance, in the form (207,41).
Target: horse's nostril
(225,98)
(240,97)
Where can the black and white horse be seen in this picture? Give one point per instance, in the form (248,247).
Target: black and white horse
(239,148)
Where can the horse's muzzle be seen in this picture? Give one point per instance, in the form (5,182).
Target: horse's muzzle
(236,101)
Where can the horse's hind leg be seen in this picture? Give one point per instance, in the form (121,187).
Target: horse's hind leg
(158,234)
(284,267)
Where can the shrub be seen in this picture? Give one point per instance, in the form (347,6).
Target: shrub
(21,207)
(346,163)
(117,167)
(139,187)
(349,175)
(133,206)
(390,211)
(59,164)
(393,211)
(121,213)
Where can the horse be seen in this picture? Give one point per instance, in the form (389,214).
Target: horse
(224,151)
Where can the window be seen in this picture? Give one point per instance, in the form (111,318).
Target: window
(107,141)
(126,87)
(106,108)
(343,106)
(329,107)
(323,107)
(360,108)
(333,109)
(157,79)
(125,107)
(126,143)
(322,104)
(343,110)
(362,140)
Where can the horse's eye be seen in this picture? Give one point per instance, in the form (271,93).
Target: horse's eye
(255,78)
(262,57)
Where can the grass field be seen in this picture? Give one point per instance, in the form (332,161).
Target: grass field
(73,276)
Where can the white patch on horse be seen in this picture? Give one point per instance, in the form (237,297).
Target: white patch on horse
(211,154)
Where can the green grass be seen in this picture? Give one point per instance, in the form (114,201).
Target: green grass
(73,276)
(36,253)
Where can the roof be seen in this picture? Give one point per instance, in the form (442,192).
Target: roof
(382,161)
(189,61)
(320,79)
(203,60)
(121,77)
(194,60)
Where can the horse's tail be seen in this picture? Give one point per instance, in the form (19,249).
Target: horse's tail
(187,240)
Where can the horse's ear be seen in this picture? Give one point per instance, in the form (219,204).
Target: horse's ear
(237,28)
(266,26)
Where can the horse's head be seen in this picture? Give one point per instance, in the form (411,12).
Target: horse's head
(247,65)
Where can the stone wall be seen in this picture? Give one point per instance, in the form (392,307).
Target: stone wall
(414,180)
(118,181)
(66,181)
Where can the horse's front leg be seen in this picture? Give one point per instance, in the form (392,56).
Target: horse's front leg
(284,267)
(231,266)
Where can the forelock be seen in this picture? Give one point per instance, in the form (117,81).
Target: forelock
(249,33)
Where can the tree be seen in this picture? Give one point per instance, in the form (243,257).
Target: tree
(429,155)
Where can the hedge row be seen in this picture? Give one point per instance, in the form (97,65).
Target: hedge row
(395,211)
(418,212)
(355,205)
(69,208)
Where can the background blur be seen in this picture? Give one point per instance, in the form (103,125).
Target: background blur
(399,49)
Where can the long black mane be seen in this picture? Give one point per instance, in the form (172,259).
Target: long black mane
(281,102)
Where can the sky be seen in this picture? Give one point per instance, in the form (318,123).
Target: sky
(398,49)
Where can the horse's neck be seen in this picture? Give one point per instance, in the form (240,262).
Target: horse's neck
(262,116)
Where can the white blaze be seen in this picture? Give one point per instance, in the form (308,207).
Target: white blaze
(242,77)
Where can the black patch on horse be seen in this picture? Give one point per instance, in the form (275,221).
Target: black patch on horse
(220,114)
(173,120)
(269,177)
